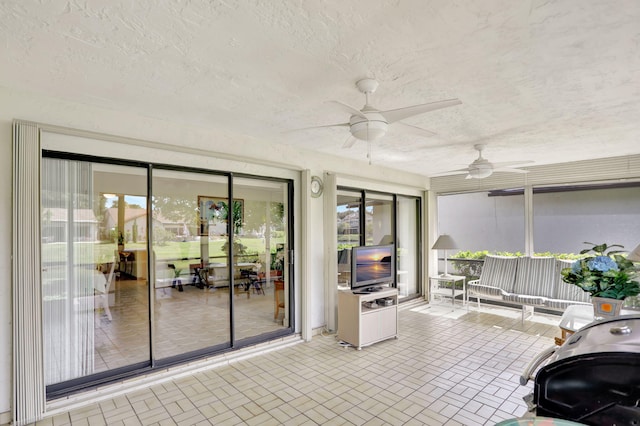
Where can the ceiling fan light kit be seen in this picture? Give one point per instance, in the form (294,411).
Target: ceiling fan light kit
(370,124)
(482,168)
(479,171)
(368,130)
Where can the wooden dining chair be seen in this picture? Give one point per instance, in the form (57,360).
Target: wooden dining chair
(278,298)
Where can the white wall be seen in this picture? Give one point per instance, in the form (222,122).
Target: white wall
(171,142)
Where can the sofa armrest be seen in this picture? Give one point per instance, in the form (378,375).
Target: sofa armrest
(484,290)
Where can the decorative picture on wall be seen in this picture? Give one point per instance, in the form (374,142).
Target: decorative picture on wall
(214,211)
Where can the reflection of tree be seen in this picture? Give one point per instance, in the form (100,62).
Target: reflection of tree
(114,205)
(46,217)
(176,210)
(100,206)
(160,235)
(256,214)
(238,248)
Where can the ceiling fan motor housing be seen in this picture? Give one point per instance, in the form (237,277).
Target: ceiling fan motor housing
(371,129)
(480,169)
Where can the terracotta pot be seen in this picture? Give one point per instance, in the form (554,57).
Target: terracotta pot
(604,308)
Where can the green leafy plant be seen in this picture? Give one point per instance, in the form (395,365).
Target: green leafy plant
(603,273)
(238,247)
(470,264)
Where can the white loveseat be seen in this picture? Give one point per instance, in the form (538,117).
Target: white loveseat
(527,281)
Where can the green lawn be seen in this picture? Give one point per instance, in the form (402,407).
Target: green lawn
(181,252)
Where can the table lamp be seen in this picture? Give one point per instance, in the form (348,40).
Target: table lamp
(445,242)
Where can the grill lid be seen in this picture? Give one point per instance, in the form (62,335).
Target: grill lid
(594,378)
(621,334)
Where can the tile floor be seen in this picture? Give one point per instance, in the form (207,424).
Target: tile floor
(446,368)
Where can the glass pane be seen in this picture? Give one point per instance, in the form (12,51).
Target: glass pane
(95,310)
(261,290)
(191,288)
(379,219)
(407,244)
(348,218)
(563,220)
(481,221)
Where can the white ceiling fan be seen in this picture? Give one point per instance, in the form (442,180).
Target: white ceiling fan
(369,124)
(482,168)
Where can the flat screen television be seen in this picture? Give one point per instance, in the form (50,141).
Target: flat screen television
(372,267)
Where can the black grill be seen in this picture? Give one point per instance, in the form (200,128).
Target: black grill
(594,377)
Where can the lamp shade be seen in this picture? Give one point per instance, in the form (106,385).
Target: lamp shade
(444,242)
(634,256)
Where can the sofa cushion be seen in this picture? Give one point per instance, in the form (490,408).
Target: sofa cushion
(524,299)
(484,290)
(562,304)
(499,271)
(535,276)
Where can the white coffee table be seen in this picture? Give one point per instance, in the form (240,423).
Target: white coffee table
(575,317)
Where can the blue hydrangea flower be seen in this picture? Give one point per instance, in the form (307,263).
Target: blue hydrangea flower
(602,264)
(576,267)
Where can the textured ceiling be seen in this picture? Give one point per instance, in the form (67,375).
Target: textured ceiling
(547,81)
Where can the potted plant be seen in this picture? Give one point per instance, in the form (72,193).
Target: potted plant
(176,278)
(606,275)
(120,241)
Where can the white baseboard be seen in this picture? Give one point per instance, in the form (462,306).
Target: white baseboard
(5,418)
(321,331)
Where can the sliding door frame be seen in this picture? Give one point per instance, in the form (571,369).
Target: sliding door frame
(58,390)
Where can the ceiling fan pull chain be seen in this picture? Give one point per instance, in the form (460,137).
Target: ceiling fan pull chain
(369,152)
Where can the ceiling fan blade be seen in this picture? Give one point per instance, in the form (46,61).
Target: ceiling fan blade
(511,163)
(416,129)
(350,109)
(507,169)
(394,115)
(319,127)
(468,177)
(349,142)
(451,172)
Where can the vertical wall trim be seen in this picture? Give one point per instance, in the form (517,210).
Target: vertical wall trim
(330,227)
(28,379)
(431,234)
(528,220)
(305,285)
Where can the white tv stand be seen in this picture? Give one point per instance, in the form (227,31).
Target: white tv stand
(360,324)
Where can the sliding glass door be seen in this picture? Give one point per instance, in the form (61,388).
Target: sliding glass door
(371,218)
(146,266)
(94,290)
(408,244)
(380,215)
(189,316)
(260,261)
(349,231)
